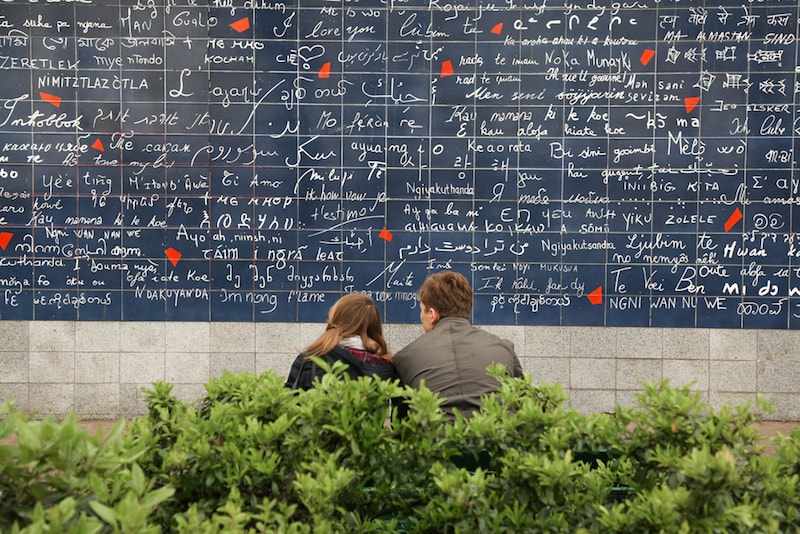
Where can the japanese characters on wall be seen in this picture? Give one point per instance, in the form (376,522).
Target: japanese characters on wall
(583,163)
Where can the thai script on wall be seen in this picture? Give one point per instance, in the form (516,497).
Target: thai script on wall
(583,163)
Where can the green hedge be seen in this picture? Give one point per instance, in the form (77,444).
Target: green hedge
(253,456)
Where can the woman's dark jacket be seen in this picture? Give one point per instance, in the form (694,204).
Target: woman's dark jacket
(359,363)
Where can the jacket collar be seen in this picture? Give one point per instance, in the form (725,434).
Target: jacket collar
(451,320)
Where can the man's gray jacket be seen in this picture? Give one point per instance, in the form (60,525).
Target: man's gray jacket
(452,359)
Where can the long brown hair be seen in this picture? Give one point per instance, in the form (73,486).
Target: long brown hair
(352,315)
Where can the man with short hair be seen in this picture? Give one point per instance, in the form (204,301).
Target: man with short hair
(452,356)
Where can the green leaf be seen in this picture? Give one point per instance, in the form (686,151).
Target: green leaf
(156,497)
(27,438)
(137,479)
(104,512)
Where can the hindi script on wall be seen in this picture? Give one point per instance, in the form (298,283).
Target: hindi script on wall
(583,163)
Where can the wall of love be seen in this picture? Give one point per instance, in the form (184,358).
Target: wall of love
(629,164)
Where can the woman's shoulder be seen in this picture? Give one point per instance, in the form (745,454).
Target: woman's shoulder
(365,356)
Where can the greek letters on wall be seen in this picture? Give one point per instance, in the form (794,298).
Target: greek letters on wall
(583,163)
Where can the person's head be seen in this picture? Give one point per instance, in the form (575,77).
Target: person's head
(444,294)
(352,315)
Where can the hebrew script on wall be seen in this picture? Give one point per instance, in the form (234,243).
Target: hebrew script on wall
(582,163)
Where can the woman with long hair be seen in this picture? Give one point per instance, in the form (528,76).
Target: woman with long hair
(354,335)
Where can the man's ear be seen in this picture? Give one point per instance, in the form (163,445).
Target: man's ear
(435,315)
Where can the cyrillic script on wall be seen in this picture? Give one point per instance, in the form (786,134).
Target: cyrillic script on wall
(583,163)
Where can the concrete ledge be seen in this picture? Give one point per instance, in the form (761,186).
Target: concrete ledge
(98,369)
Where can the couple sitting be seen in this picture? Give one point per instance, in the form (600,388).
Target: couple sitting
(451,357)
